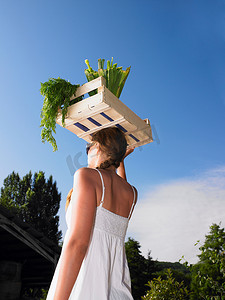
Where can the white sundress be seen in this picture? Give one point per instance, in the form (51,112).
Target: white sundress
(104,273)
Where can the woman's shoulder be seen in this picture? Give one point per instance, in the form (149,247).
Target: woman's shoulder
(134,188)
(136,194)
(85,173)
(84,170)
(129,187)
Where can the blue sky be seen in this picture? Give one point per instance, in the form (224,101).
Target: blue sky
(176,53)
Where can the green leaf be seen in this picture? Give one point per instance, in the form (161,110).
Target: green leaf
(57,94)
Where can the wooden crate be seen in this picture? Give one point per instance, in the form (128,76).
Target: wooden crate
(104,110)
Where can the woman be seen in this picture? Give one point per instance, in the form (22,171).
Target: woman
(93,263)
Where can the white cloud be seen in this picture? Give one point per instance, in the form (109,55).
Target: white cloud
(171,218)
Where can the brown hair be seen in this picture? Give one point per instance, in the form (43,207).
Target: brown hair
(112,141)
(68,198)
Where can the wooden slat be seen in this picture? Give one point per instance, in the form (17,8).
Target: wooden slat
(101,127)
(89,86)
(82,109)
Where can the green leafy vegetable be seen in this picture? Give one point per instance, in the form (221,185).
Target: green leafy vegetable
(57,93)
(115,76)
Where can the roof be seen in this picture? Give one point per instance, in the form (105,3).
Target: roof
(20,242)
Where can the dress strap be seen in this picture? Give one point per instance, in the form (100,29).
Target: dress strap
(103,187)
(133,202)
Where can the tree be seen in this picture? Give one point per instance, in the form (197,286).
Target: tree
(13,195)
(168,288)
(36,201)
(208,275)
(140,267)
(180,272)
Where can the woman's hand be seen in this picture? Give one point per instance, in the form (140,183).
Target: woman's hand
(129,151)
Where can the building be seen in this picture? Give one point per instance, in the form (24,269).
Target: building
(27,257)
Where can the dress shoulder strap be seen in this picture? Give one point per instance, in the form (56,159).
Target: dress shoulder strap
(132,203)
(103,187)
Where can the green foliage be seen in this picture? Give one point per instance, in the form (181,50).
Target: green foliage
(209,273)
(36,293)
(140,268)
(57,93)
(11,194)
(179,275)
(143,270)
(162,265)
(115,77)
(163,289)
(44,294)
(35,201)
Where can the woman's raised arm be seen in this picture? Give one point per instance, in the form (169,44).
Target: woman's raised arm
(121,169)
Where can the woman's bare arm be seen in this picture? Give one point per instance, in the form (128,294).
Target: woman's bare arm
(79,232)
(121,169)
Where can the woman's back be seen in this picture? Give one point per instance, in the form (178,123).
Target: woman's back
(118,194)
(104,273)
